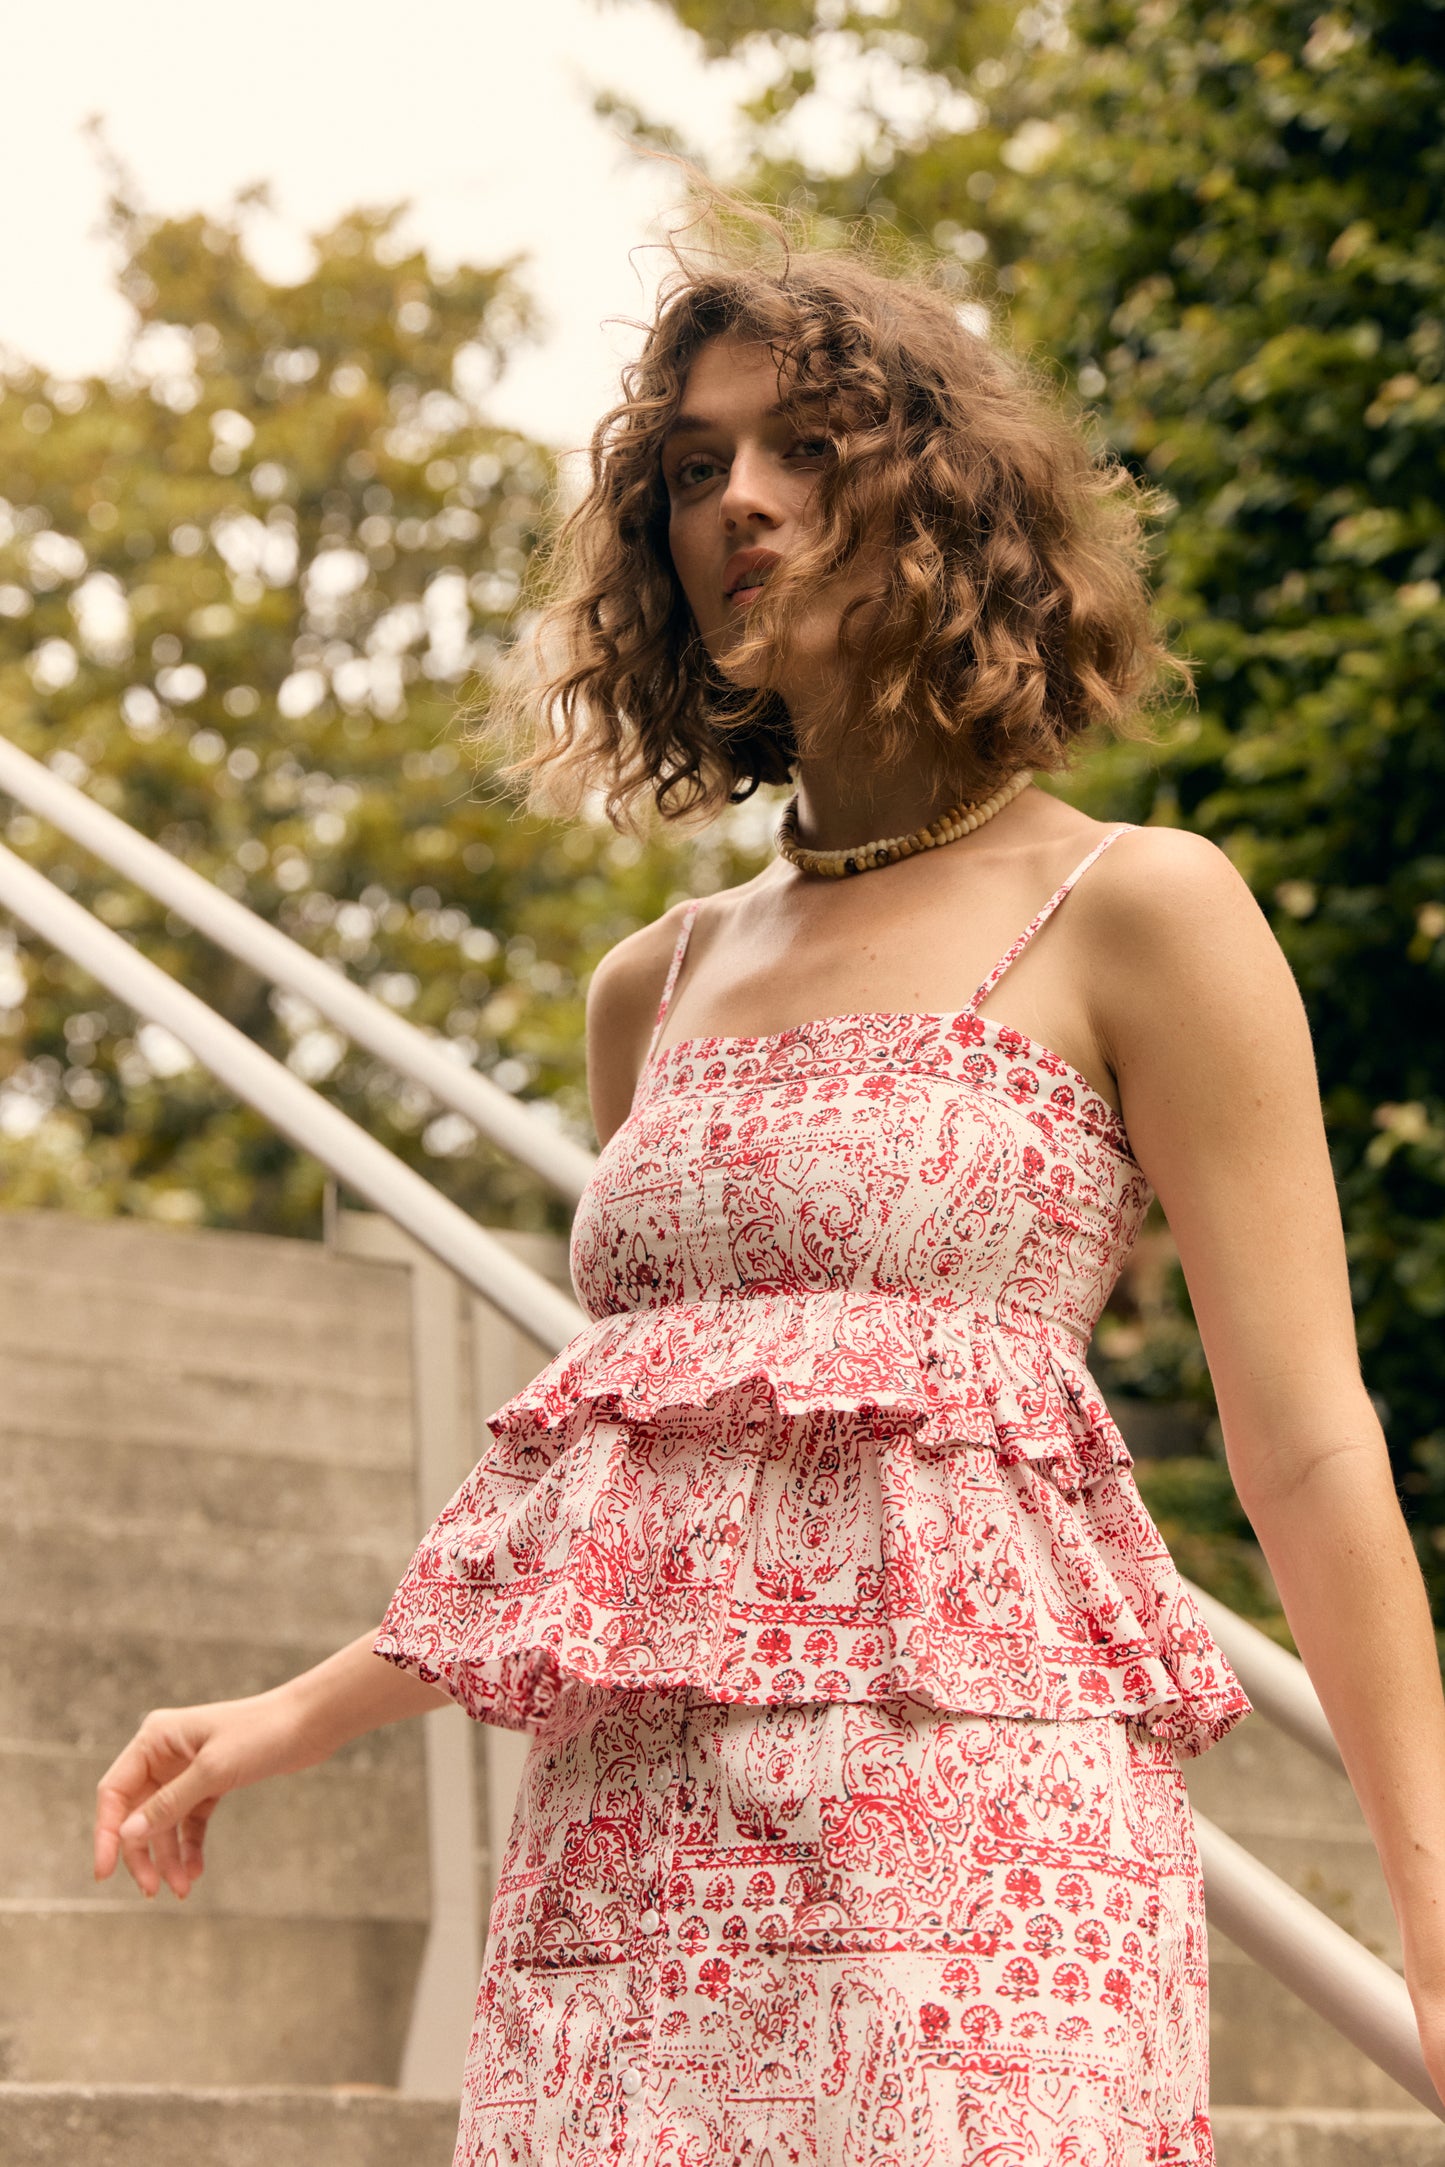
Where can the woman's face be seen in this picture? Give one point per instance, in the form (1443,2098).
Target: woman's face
(740,482)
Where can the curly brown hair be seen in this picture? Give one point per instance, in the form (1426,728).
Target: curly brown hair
(1015,612)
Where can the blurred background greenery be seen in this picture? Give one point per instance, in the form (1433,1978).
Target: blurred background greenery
(242,584)
(243,576)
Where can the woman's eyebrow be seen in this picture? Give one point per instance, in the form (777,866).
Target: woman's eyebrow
(699,424)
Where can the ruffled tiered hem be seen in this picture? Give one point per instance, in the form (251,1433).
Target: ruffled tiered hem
(812,1495)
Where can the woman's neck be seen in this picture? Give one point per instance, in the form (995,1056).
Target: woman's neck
(839,806)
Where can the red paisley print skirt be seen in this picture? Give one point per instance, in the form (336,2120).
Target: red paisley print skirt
(840,1934)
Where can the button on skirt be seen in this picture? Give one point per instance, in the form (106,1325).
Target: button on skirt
(840,1934)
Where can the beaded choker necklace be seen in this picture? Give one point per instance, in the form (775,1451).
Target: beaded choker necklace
(864,857)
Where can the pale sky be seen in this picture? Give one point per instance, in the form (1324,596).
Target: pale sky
(479,111)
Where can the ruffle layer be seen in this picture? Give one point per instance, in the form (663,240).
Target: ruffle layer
(818,1495)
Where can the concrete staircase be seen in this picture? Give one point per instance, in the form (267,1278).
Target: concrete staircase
(207,1484)
(206,1472)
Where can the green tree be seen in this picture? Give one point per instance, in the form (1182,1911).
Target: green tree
(1221,226)
(241,584)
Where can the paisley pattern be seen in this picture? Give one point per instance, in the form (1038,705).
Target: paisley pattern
(830,1435)
(852,1829)
(840,1935)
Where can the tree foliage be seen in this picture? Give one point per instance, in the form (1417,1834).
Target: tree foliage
(241,584)
(1220,225)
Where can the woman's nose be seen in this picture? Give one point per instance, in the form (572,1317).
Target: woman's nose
(752,491)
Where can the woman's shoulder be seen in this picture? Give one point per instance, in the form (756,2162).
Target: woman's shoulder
(1130,888)
(623,997)
(622,1000)
(1166,884)
(1178,947)
(627,984)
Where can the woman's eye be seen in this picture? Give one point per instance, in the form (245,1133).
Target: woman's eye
(691,471)
(813,447)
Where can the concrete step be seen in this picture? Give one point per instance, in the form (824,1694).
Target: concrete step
(103,1994)
(65,1685)
(93,1479)
(359,1329)
(153,1577)
(1325,2137)
(196,1305)
(338,1841)
(247,1276)
(61,2125)
(350,1421)
(1266,2049)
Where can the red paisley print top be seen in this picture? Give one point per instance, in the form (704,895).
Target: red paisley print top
(830,1434)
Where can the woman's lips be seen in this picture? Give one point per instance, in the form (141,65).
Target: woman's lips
(745,574)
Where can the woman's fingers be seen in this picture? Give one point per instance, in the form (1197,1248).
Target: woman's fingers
(136,1857)
(155,1800)
(159,1782)
(129,1778)
(149,1843)
(193,1837)
(170,1802)
(166,1851)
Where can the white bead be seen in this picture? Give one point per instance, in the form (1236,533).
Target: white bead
(631,2081)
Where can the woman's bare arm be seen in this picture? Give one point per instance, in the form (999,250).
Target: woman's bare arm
(155,1799)
(1207,1035)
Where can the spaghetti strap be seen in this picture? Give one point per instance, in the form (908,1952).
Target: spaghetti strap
(674,967)
(1012,954)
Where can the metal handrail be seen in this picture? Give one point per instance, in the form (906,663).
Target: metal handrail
(1352,1989)
(563,1164)
(300,1113)
(1315,1959)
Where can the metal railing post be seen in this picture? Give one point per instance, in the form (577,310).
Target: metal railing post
(503,1360)
(441,2015)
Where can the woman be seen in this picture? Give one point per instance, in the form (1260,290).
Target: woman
(853,1828)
